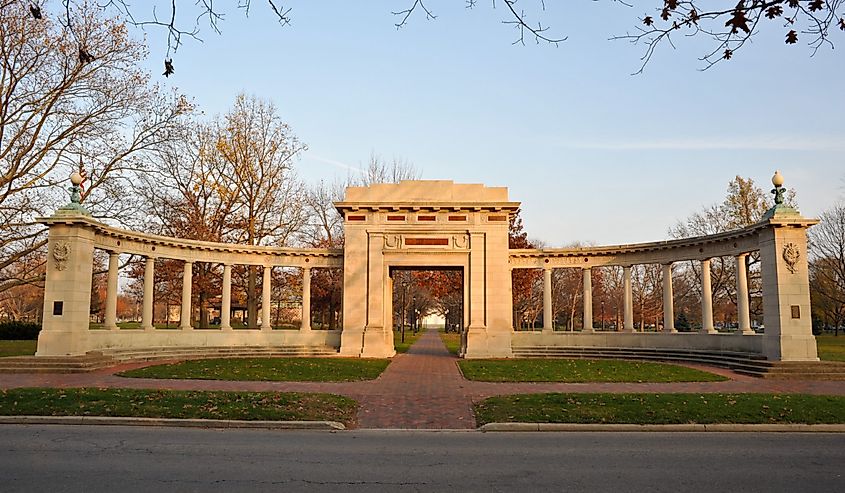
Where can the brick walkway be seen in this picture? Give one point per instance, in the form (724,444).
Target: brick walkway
(421,389)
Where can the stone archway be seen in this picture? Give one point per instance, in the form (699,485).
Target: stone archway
(426,224)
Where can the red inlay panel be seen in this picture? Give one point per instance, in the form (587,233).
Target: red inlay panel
(426,218)
(426,241)
(497,218)
(395,218)
(356,218)
(457,218)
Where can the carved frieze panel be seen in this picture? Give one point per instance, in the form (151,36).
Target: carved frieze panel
(61,252)
(791,255)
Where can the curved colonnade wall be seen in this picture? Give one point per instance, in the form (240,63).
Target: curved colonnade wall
(424,224)
(73,237)
(781,241)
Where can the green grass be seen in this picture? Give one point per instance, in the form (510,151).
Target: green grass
(831,348)
(268,369)
(662,409)
(274,406)
(452,340)
(17,348)
(410,339)
(580,370)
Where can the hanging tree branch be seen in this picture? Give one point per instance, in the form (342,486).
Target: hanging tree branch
(730,29)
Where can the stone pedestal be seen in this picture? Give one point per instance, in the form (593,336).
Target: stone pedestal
(786,290)
(67,289)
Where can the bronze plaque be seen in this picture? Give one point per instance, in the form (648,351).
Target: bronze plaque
(796,311)
(427,241)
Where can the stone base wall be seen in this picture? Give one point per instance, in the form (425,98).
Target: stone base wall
(693,341)
(95,340)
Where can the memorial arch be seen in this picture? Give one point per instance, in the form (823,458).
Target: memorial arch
(429,224)
(426,224)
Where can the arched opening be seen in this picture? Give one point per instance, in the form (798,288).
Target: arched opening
(428,298)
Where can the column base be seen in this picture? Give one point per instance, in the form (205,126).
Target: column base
(378,343)
(482,344)
(61,343)
(790,348)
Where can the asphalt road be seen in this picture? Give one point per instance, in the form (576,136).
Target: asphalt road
(125,459)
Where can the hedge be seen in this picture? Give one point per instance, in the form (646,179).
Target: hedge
(16,330)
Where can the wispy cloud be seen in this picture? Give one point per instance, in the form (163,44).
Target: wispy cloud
(771,143)
(334,162)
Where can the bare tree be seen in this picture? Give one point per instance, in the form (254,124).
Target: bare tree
(72,97)
(258,150)
(827,269)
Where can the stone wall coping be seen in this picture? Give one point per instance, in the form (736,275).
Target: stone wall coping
(105,230)
(412,206)
(657,246)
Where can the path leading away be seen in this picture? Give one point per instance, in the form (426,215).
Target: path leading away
(421,389)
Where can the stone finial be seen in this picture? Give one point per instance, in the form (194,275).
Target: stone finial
(778,191)
(75,206)
(75,189)
(779,209)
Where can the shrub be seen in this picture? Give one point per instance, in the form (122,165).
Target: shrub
(17,330)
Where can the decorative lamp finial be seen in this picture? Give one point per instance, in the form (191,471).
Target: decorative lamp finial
(75,180)
(778,191)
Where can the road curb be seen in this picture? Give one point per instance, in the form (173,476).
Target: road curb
(687,428)
(182,423)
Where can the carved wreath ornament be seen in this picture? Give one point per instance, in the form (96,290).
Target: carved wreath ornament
(61,252)
(791,255)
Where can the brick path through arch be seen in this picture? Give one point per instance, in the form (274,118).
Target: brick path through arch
(421,389)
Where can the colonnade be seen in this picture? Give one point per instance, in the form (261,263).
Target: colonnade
(743,305)
(110,318)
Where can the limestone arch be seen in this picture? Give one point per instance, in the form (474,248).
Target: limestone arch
(426,224)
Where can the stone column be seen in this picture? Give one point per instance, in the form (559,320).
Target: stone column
(226,299)
(742,306)
(628,299)
(111,292)
(668,300)
(548,321)
(265,298)
(149,285)
(306,299)
(187,284)
(706,299)
(588,300)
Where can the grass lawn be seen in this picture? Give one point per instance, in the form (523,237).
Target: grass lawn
(273,406)
(17,348)
(410,339)
(662,409)
(580,370)
(831,348)
(452,340)
(268,369)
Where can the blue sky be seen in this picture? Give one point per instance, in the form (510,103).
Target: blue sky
(593,153)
